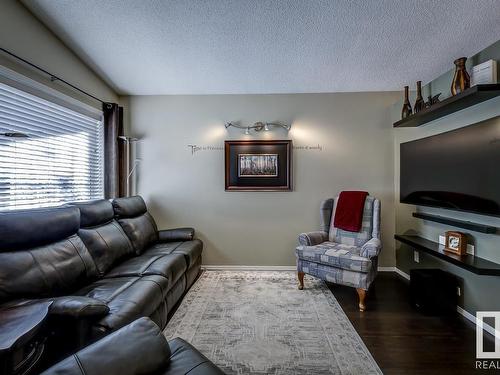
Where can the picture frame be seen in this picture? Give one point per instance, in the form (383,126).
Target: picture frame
(258,165)
(456,243)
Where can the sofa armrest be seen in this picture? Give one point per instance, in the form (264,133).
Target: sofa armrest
(371,249)
(78,307)
(186,359)
(177,234)
(138,348)
(312,238)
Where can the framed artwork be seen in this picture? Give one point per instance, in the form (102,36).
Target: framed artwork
(258,165)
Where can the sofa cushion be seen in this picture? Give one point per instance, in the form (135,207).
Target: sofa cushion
(21,230)
(129,206)
(185,359)
(45,271)
(335,255)
(140,230)
(171,266)
(107,244)
(102,235)
(190,249)
(94,213)
(337,275)
(128,298)
(137,223)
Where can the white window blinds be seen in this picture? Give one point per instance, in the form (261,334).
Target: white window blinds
(49,155)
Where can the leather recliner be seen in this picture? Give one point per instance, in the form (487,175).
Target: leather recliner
(138,348)
(102,264)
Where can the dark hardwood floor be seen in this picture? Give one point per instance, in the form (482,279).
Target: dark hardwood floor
(402,340)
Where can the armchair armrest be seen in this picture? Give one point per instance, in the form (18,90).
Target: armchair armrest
(371,249)
(177,234)
(312,238)
(78,307)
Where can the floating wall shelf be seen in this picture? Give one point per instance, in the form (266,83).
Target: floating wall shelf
(482,228)
(468,262)
(468,98)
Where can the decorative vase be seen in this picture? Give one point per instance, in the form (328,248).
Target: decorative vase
(461,79)
(406,111)
(419,102)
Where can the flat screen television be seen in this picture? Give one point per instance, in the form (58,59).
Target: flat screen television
(456,170)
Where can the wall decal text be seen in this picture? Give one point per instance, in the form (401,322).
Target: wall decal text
(197,148)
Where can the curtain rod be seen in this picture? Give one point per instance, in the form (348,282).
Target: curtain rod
(52,76)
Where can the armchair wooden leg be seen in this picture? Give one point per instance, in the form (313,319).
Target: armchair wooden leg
(300,276)
(362,295)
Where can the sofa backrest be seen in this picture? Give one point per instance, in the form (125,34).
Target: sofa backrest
(41,255)
(370,226)
(137,223)
(101,233)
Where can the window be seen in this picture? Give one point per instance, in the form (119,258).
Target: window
(49,154)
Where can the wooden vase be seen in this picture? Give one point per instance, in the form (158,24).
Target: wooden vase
(419,102)
(406,110)
(461,79)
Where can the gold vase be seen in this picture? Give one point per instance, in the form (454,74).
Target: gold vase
(461,79)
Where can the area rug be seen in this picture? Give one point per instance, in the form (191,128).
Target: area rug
(260,323)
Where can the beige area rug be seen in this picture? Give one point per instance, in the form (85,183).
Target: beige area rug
(253,322)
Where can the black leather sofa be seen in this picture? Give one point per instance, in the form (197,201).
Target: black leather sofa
(138,348)
(103,264)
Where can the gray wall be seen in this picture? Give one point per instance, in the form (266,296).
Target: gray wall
(353,131)
(22,34)
(479,292)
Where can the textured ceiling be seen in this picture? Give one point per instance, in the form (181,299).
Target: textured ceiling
(265,46)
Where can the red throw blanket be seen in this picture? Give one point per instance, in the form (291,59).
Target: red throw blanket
(349,212)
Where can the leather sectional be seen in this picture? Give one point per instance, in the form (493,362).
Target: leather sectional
(143,350)
(103,264)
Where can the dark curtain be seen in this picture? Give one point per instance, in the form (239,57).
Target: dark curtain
(114,173)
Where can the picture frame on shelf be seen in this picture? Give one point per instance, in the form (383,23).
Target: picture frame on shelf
(455,242)
(485,73)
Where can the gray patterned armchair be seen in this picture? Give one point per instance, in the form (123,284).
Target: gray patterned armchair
(339,256)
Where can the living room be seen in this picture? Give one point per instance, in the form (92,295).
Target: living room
(249,187)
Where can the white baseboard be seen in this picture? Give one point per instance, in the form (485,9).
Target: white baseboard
(394,269)
(402,273)
(249,268)
(387,269)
